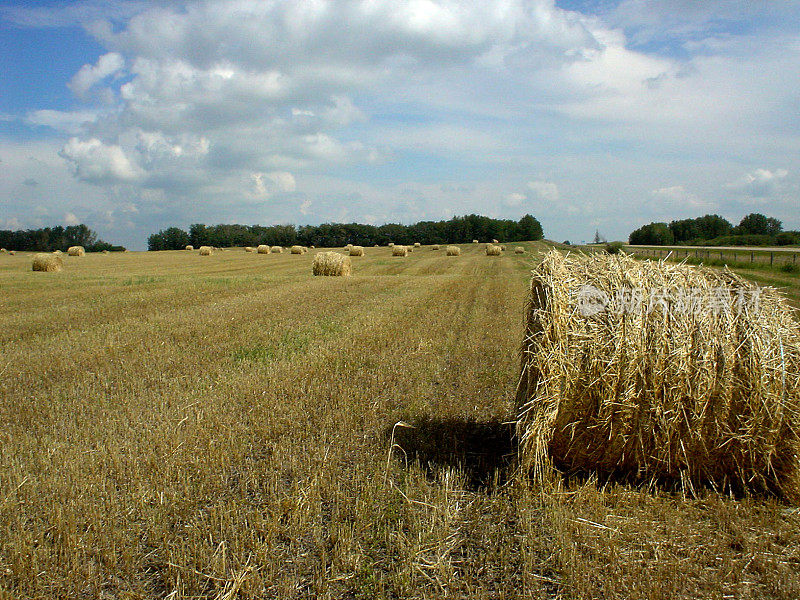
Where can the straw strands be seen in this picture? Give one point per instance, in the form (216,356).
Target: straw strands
(262,249)
(519,250)
(76,251)
(453,251)
(697,386)
(296,250)
(331,264)
(492,250)
(206,250)
(276,250)
(356,251)
(189,247)
(49,263)
(399,251)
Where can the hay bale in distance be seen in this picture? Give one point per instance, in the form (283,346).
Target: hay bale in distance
(76,251)
(417,244)
(3,251)
(685,392)
(276,250)
(249,249)
(49,263)
(399,251)
(492,250)
(189,247)
(296,250)
(104,252)
(356,251)
(391,244)
(435,247)
(13,252)
(331,264)
(453,251)
(206,250)
(519,250)
(263,249)
(474,241)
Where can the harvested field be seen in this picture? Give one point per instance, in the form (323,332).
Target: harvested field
(163,436)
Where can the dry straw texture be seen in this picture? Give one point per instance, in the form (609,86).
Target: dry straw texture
(474,241)
(249,249)
(682,393)
(399,251)
(76,251)
(453,251)
(276,250)
(263,249)
(417,244)
(435,247)
(492,250)
(331,263)
(296,250)
(519,250)
(189,247)
(47,262)
(206,250)
(356,251)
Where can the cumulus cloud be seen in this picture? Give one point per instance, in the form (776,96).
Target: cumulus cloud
(760,183)
(71,219)
(72,122)
(96,162)
(90,75)
(275,181)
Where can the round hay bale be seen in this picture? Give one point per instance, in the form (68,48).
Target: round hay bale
(391,244)
(453,251)
(249,249)
(435,247)
(276,250)
(312,247)
(49,263)
(399,251)
(659,370)
(296,250)
(495,242)
(206,250)
(492,250)
(417,244)
(104,252)
(474,241)
(189,247)
(331,264)
(519,250)
(76,251)
(3,251)
(12,252)
(263,249)
(356,251)
(58,252)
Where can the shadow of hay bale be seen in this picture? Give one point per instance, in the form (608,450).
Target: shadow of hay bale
(486,452)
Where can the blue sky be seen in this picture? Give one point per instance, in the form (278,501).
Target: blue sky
(132,116)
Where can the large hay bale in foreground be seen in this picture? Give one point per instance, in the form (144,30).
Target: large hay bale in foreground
(206,250)
(331,263)
(659,370)
(399,251)
(47,262)
(263,249)
(296,250)
(356,251)
(276,250)
(519,250)
(76,251)
(492,250)
(453,251)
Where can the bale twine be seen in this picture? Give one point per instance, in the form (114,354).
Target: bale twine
(453,251)
(492,250)
(331,263)
(296,250)
(47,262)
(206,250)
(263,249)
(399,251)
(76,251)
(356,251)
(658,370)
(519,250)
(276,250)
(189,247)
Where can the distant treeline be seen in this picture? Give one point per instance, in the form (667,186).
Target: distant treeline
(458,230)
(712,230)
(49,239)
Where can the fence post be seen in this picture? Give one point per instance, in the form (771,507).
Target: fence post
(770,258)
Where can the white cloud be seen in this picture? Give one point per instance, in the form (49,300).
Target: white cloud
(96,162)
(760,183)
(545,191)
(90,75)
(11,223)
(72,122)
(514,199)
(71,219)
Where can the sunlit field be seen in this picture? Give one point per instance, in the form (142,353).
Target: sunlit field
(229,426)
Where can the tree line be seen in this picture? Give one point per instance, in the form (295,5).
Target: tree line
(754,229)
(458,230)
(48,239)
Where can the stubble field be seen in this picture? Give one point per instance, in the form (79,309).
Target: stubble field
(177,426)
